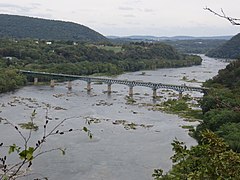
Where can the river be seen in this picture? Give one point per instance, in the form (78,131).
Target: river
(115,152)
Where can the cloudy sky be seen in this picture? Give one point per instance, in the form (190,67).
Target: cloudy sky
(134,17)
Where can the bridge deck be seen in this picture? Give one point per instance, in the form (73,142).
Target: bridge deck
(154,86)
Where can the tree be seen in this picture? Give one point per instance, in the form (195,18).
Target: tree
(211,159)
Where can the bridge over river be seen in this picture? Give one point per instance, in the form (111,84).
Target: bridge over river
(109,82)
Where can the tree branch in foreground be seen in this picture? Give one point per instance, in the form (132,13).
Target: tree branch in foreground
(27,152)
(233,21)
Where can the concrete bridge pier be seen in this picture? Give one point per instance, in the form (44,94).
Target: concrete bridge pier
(154,93)
(69,85)
(89,86)
(52,83)
(180,95)
(130,91)
(35,81)
(109,88)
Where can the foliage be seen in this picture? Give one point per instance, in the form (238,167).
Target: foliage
(230,49)
(197,46)
(193,114)
(221,106)
(29,125)
(113,48)
(180,107)
(10,80)
(28,151)
(176,105)
(130,100)
(87,59)
(211,159)
(200,45)
(231,133)
(228,77)
(13,26)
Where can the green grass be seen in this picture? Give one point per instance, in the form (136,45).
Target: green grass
(181,108)
(190,128)
(115,49)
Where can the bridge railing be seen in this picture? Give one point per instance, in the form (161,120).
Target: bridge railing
(88,79)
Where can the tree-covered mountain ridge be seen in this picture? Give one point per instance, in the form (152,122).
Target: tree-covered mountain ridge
(13,26)
(230,49)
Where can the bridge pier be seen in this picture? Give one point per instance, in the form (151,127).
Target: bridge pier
(52,83)
(89,86)
(154,93)
(35,82)
(131,84)
(130,91)
(109,88)
(69,85)
(180,95)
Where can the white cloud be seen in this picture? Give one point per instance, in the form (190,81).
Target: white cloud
(148,10)
(114,17)
(27,10)
(129,16)
(124,8)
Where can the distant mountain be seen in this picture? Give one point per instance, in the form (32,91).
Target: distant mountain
(230,49)
(28,27)
(201,37)
(163,38)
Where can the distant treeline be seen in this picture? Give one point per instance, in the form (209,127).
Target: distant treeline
(230,49)
(197,46)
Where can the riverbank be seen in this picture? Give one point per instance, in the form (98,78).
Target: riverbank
(11,79)
(128,140)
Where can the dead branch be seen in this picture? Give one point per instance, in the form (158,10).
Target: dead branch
(233,21)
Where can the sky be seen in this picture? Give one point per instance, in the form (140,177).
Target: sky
(134,17)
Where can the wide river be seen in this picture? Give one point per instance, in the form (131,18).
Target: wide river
(116,152)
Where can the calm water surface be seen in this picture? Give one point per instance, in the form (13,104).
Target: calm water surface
(114,153)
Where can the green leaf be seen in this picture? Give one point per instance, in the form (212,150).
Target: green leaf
(27,154)
(5,177)
(31,150)
(23,154)
(12,148)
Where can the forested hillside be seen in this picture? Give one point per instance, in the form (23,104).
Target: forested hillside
(28,27)
(230,49)
(197,46)
(221,106)
(87,59)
